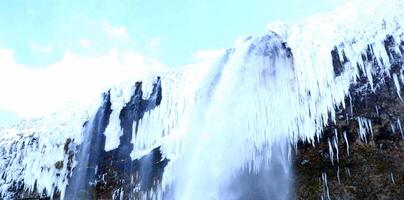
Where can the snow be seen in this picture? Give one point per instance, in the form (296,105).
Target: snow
(351,28)
(30,150)
(157,125)
(120,95)
(238,113)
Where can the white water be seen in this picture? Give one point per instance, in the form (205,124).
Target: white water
(78,183)
(218,122)
(239,121)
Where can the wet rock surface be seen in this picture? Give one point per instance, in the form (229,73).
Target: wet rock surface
(113,174)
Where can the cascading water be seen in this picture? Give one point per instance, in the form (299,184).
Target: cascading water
(273,181)
(240,127)
(89,153)
(78,186)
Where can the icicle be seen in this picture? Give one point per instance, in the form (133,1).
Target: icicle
(392,178)
(368,72)
(96,169)
(336,148)
(331,152)
(401,129)
(339,181)
(377,111)
(121,195)
(397,84)
(325,185)
(347,171)
(362,129)
(351,106)
(347,143)
(402,77)
(369,123)
(393,129)
(336,133)
(117,194)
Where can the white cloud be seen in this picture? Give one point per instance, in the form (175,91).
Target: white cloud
(40,48)
(154,43)
(208,54)
(85,43)
(33,92)
(115,31)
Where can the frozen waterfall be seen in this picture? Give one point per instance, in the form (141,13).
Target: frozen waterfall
(222,129)
(240,126)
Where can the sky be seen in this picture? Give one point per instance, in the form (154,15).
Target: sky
(53,52)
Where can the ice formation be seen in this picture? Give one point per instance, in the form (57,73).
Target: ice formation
(29,152)
(346,143)
(330,151)
(365,127)
(392,178)
(401,129)
(218,121)
(326,191)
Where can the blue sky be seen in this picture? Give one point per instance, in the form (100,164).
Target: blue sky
(41,33)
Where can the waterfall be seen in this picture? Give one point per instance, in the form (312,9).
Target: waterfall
(89,153)
(221,130)
(78,186)
(240,127)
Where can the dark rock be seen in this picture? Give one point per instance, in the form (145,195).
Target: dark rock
(59,164)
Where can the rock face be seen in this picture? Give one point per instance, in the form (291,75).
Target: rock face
(110,172)
(369,166)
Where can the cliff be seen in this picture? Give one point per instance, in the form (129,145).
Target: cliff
(315,105)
